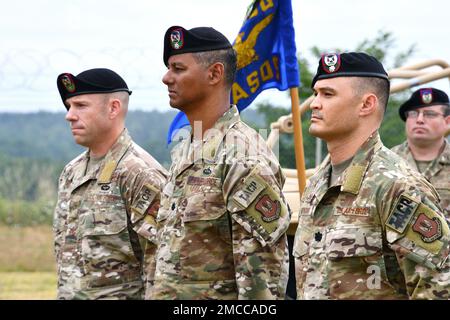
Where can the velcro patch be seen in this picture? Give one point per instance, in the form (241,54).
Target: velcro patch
(402,213)
(145,198)
(269,209)
(253,185)
(427,228)
(354,178)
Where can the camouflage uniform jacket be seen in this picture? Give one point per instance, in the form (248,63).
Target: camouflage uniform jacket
(378,233)
(223,218)
(437,173)
(105,225)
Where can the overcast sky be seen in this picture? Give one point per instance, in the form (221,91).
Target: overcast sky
(40,39)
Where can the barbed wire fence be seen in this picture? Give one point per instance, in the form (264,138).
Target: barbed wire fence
(29,75)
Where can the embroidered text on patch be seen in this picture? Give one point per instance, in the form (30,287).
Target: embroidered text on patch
(402,214)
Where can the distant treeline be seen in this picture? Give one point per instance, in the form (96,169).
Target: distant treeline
(34,147)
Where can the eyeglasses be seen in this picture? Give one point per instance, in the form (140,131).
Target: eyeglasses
(428,114)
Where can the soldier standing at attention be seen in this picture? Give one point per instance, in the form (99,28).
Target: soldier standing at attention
(223,218)
(427,117)
(369,226)
(108,197)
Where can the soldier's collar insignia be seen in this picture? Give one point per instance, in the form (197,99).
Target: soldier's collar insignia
(68,83)
(426,95)
(331,62)
(177,39)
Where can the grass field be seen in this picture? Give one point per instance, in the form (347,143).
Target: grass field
(27,285)
(27,266)
(26,249)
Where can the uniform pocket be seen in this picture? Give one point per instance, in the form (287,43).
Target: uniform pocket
(355,263)
(204,206)
(206,250)
(103,216)
(300,252)
(353,242)
(108,257)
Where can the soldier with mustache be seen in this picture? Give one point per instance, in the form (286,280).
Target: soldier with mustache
(427,117)
(223,216)
(369,226)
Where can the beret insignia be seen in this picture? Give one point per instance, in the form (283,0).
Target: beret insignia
(177,39)
(68,83)
(426,95)
(331,62)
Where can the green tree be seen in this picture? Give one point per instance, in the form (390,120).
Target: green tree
(382,46)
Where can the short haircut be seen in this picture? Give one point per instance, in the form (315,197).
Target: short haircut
(227,57)
(380,87)
(123,96)
(446,110)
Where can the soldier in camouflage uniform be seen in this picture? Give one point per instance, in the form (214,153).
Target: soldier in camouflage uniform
(427,116)
(108,197)
(369,227)
(223,218)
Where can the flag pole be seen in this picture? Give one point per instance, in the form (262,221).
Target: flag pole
(298,140)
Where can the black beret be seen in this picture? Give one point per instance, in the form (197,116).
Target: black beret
(178,40)
(423,97)
(351,64)
(97,80)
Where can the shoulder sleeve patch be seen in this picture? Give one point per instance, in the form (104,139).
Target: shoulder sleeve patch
(144,199)
(251,188)
(260,209)
(402,213)
(427,228)
(418,232)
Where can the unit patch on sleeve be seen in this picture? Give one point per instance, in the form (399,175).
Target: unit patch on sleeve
(269,209)
(402,213)
(248,193)
(144,199)
(428,229)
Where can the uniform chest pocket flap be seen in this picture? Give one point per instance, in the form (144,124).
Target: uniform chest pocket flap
(353,242)
(106,215)
(203,200)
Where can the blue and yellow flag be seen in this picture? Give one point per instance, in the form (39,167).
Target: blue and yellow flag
(266,55)
(266,51)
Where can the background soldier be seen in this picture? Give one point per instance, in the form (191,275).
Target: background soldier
(223,217)
(108,196)
(369,226)
(427,117)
